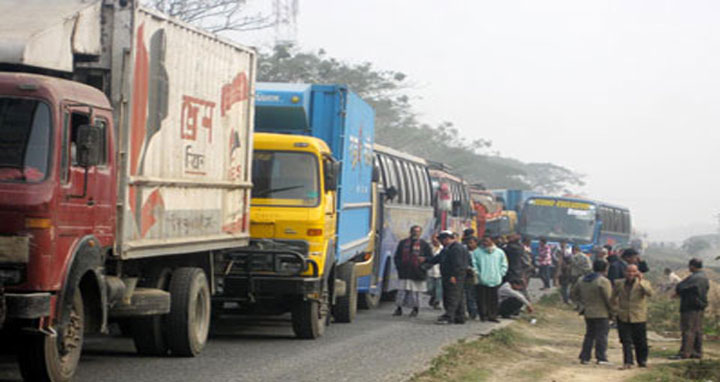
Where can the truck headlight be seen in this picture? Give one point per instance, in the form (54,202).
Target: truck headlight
(289,265)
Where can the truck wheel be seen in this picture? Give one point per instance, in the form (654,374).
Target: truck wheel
(345,307)
(368,300)
(43,358)
(149,333)
(310,317)
(188,322)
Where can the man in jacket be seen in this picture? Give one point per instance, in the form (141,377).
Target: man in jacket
(693,301)
(629,298)
(593,293)
(454,261)
(410,253)
(491,265)
(629,256)
(514,251)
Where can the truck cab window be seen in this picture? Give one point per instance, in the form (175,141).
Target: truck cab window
(76,120)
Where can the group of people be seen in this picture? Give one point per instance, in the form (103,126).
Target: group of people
(618,291)
(473,277)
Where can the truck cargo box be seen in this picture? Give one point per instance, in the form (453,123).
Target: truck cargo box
(183,108)
(346,123)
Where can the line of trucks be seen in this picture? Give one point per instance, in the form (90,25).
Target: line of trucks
(148,181)
(131,145)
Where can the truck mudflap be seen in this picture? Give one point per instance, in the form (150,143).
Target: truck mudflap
(25,305)
(251,272)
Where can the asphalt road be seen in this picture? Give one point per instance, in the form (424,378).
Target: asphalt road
(376,347)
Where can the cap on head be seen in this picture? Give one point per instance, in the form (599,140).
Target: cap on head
(445,234)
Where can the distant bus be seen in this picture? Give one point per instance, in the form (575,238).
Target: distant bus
(454,209)
(405,199)
(582,222)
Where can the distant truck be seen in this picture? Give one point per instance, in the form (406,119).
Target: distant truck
(125,144)
(514,200)
(312,211)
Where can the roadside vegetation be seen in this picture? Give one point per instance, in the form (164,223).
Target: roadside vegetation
(547,351)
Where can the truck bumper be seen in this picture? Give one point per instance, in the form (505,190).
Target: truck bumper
(243,288)
(24,305)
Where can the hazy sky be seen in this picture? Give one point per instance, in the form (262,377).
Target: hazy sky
(624,91)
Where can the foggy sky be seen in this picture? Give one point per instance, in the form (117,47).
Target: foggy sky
(624,91)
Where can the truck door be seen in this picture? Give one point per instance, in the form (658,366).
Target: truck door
(75,215)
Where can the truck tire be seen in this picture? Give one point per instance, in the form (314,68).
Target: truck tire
(149,334)
(188,322)
(345,307)
(310,317)
(41,357)
(368,300)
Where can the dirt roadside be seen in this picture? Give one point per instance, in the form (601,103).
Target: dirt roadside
(548,351)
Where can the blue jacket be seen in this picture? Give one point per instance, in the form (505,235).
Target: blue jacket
(490,266)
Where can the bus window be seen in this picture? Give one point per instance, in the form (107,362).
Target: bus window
(403,192)
(416,184)
(391,175)
(422,189)
(381,169)
(427,186)
(408,181)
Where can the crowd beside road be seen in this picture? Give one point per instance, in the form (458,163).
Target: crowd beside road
(486,278)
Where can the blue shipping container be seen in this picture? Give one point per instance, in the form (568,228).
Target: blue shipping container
(347,124)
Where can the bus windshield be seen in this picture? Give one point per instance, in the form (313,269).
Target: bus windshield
(559,219)
(283,178)
(24,140)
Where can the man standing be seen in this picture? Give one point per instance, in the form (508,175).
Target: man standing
(629,256)
(514,251)
(511,298)
(491,265)
(630,297)
(453,260)
(434,279)
(410,253)
(693,301)
(593,293)
(471,297)
(544,262)
(564,277)
(580,264)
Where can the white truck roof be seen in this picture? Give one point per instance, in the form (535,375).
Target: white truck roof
(46,34)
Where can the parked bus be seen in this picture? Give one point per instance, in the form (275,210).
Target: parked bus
(452,202)
(580,221)
(406,199)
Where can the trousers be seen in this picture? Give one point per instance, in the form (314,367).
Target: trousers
(487,301)
(691,324)
(633,335)
(596,333)
(510,306)
(454,299)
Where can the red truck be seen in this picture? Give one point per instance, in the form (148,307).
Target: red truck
(125,144)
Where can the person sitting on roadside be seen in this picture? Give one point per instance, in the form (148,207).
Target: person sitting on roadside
(593,294)
(629,299)
(511,299)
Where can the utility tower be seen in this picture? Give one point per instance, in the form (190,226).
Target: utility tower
(285,12)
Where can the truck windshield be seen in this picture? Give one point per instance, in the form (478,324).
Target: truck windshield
(557,220)
(24,140)
(282,178)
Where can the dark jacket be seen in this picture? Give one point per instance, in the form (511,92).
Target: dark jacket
(408,267)
(514,252)
(693,292)
(454,261)
(617,269)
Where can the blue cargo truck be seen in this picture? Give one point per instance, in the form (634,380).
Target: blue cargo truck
(311,216)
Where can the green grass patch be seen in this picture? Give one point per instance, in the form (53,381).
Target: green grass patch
(682,371)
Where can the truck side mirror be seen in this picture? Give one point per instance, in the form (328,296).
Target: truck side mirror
(88,146)
(331,171)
